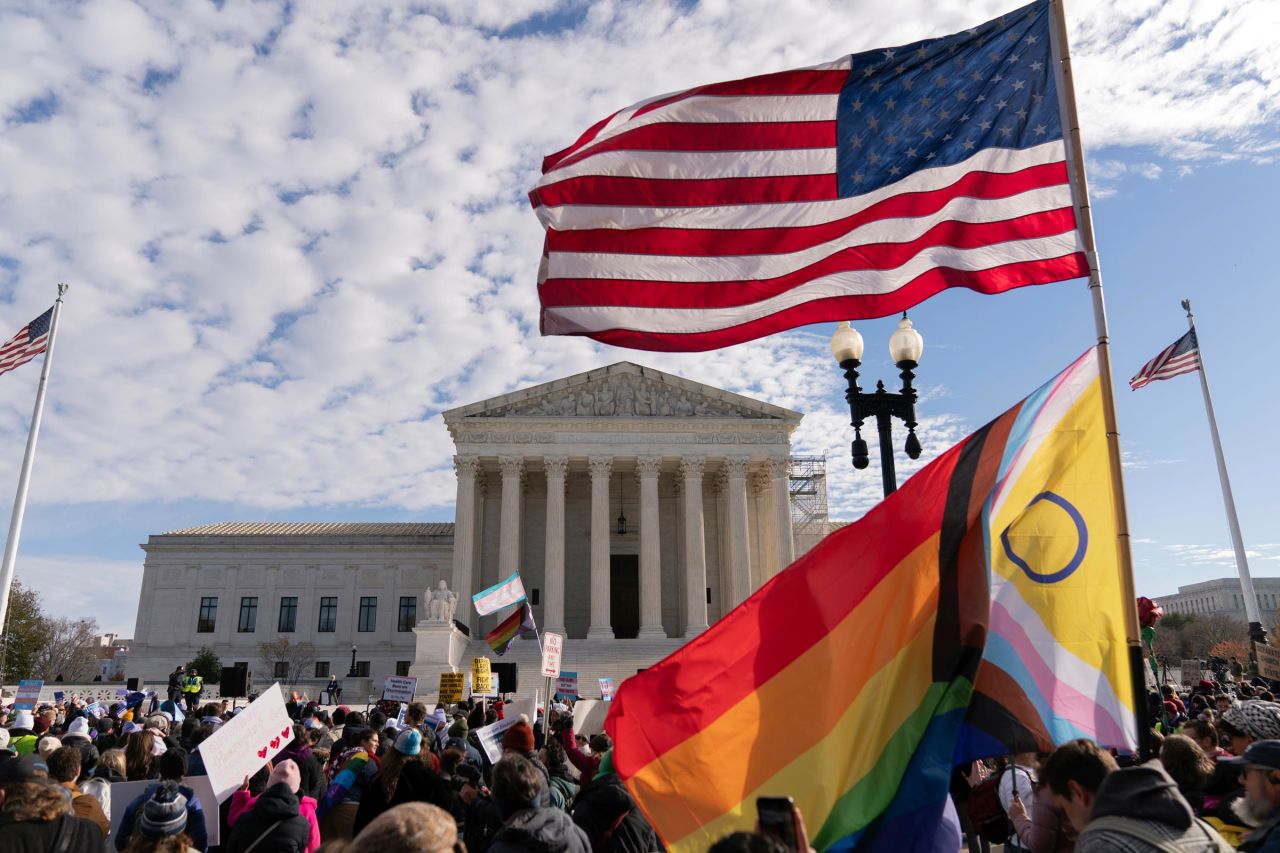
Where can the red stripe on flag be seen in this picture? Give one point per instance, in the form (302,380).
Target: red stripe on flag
(991,281)
(710,242)
(803,82)
(696,192)
(550,161)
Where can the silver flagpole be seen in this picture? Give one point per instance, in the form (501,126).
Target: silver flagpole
(24,479)
(1257,633)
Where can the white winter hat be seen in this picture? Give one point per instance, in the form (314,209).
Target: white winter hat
(79,728)
(23,720)
(47,745)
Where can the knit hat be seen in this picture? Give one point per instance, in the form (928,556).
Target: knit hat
(165,813)
(1257,718)
(519,738)
(40,724)
(130,728)
(22,768)
(79,728)
(409,742)
(458,729)
(47,745)
(287,772)
(23,720)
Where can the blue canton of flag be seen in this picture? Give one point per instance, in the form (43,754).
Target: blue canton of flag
(935,102)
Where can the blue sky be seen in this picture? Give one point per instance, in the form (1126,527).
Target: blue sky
(295,235)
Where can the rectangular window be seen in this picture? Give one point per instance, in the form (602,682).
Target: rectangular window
(281,670)
(408,613)
(362,669)
(402,668)
(322,669)
(328,614)
(533,595)
(288,614)
(248,614)
(368,613)
(208,615)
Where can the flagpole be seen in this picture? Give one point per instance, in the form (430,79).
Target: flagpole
(1084,215)
(1257,633)
(24,479)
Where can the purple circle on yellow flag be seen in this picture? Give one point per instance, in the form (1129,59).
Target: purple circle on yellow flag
(1082,541)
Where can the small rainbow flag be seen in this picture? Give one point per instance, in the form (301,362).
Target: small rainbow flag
(978,607)
(518,624)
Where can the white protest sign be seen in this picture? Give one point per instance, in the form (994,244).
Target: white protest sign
(246,742)
(491,736)
(552,647)
(397,688)
(588,716)
(124,793)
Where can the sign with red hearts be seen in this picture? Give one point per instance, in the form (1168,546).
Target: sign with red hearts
(241,746)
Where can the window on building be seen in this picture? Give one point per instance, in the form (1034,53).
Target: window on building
(368,613)
(248,614)
(208,615)
(288,614)
(362,669)
(281,670)
(534,595)
(408,613)
(328,614)
(402,668)
(322,669)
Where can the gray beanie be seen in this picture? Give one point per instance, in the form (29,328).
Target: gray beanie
(165,813)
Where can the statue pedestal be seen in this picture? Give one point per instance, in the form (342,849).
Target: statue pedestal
(441,648)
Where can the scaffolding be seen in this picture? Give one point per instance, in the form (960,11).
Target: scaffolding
(808,494)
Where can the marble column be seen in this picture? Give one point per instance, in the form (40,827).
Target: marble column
(780,474)
(464,538)
(553,563)
(764,564)
(601,468)
(695,548)
(739,545)
(509,533)
(647,468)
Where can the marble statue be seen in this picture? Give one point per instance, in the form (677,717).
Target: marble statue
(441,603)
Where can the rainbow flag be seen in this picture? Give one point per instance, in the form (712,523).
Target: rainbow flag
(853,680)
(518,624)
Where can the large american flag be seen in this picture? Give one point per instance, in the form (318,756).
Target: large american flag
(31,340)
(854,189)
(1181,356)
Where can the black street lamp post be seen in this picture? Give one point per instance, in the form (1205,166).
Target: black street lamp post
(352,672)
(906,345)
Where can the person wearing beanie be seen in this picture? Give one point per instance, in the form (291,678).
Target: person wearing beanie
(162,822)
(403,777)
(608,815)
(79,729)
(518,740)
(22,737)
(519,792)
(171,767)
(273,821)
(47,745)
(409,826)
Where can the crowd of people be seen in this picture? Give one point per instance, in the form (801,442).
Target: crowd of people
(349,780)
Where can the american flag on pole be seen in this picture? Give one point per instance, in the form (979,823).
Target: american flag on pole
(1182,356)
(848,190)
(31,340)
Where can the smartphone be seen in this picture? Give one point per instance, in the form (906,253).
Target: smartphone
(777,818)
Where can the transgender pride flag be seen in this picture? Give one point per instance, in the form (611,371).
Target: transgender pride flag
(500,595)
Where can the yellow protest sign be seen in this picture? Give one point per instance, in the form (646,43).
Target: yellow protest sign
(451,687)
(481,677)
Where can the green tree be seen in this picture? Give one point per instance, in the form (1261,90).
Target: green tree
(206,663)
(26,630)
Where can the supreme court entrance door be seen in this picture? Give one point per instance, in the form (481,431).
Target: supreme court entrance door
(624,595)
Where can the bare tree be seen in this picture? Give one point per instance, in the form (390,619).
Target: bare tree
(1207,631)
(285,661)
(69,650)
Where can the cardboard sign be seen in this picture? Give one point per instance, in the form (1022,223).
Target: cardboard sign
(28,695)
(552,647)
(124,793)
(1190,672)
(1268,661)
(246,742)
(588,716)
(491,736)
(397,688)
(481,677)
(606,689)
(567,685)
(451,684)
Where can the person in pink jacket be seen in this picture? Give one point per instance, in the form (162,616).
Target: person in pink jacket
(287,772)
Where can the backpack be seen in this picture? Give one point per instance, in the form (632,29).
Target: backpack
(986,814)
(1138,829)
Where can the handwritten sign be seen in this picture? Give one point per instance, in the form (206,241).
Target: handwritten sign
(606,689)
(1268,661)
(124,793)
(567,685)
(552,647)
(451,684)
(248,741)
(398,688)
(481,677)
(28,695)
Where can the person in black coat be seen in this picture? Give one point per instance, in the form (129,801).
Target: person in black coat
(402,778)
(273,823)
(26,790)
(606,813)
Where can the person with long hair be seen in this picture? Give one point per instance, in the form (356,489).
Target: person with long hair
(1189,767)
(402,777)
(352,773)
(139,756)
(110,766)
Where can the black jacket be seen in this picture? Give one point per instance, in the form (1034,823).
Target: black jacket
(276,809)
(29,836)
(542,830)
(606,805)
(418,783)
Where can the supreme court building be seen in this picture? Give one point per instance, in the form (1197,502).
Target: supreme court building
(638,507)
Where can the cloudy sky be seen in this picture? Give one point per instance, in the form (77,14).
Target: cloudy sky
(297,232)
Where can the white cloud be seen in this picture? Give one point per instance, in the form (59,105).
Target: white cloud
(78,586)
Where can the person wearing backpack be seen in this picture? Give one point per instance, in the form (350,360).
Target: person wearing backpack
(1135,810)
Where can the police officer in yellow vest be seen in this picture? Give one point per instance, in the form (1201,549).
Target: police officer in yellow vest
(192,686)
